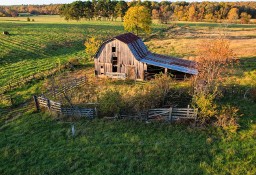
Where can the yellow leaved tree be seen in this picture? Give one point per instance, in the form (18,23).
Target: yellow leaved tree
(91,46)
(137,19)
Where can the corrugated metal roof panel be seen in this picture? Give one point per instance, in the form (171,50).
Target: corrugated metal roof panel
(171,66)
(127,38)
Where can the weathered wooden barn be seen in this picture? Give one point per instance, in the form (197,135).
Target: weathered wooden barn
(127,56)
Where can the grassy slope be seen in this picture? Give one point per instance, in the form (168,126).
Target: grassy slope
(36,144)
(38,46)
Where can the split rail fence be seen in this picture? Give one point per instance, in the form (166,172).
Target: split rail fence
(65,111)
(57,91)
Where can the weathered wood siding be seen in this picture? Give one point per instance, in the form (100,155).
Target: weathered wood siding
(103,60)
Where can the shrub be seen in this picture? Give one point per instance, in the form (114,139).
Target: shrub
(228,118)
(74,61)
(206,105)
(33,20)
(253,94)
(110,103)
(28,19)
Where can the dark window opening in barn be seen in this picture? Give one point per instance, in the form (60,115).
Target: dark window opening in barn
(113,49)
(114,69)
(114,60)
(101,67)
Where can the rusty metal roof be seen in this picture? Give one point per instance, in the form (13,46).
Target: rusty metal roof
(127,38)
(141,53)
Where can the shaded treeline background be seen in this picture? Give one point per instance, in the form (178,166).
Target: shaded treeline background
(163,11)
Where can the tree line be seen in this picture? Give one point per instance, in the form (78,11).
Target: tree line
(15,10)
(162,11)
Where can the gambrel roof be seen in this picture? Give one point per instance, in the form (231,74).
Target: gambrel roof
(142,54)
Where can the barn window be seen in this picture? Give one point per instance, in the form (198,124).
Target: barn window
(114,69)
(113,49)
(101,67)
(114,60)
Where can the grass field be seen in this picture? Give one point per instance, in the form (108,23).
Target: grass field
(35,143)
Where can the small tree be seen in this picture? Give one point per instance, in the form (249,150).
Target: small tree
(215,57)
(245,18)
(137,19)
(91,46)
(233,15)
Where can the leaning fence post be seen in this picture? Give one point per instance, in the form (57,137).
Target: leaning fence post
(48,104)
(37,103)
(96,111)
(73,130)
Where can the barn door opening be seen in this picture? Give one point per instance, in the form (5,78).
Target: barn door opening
(131,72)
(114,64)
(152,71)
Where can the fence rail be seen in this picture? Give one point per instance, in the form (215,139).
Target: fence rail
(71,85)
(116,75)
(65,111)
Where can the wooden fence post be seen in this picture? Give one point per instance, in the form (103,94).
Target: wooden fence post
(170,114)
(48,104)
(188,111)
(37,103)
(96,112)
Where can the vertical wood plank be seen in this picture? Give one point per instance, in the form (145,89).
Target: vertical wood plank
(36,103)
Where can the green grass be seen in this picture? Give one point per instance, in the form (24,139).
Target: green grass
(37,47)
(36,144)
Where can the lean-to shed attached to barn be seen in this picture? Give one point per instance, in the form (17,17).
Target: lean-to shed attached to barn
(127,56)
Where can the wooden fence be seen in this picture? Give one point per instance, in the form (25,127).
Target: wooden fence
(163,114)
(57,91)
(65,111)
(172,114)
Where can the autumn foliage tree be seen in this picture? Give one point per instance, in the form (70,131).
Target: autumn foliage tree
(91,46)
(137,19)
(215,58)
(245,18)
(233,15)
